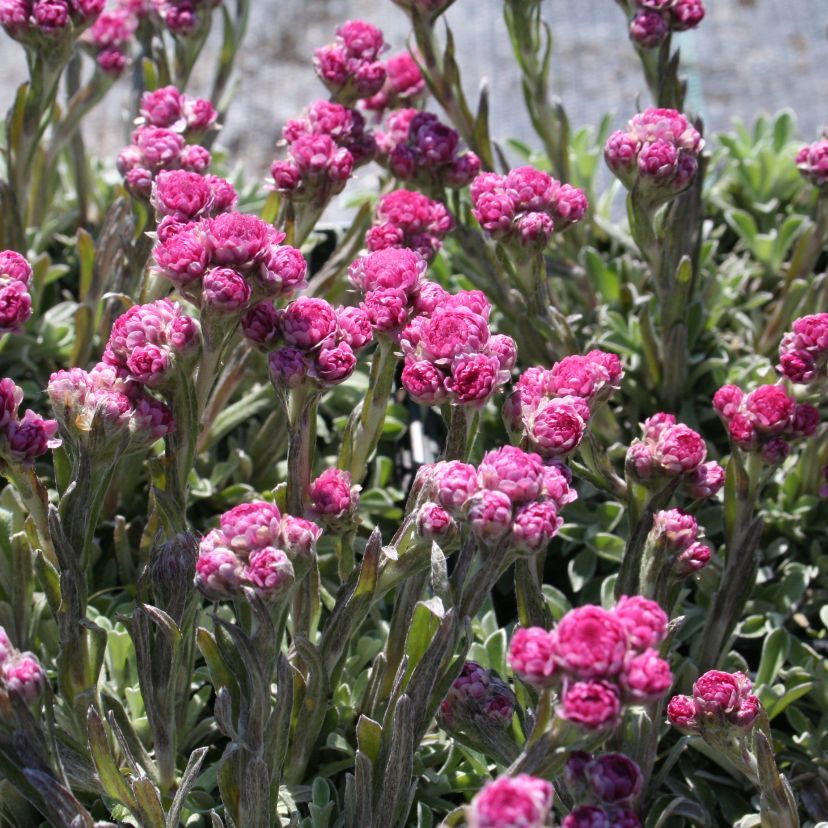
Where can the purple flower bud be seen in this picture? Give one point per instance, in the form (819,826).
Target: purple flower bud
(30,437)
(23,674)
(649,29)
(288,367)
(614,778)
(334,364)
(225,290)
(434,523)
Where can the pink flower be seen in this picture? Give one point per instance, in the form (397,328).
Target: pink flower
(161,107)
(250,526)
(686,14)
(556,427)
(288,367)
(308,322)
(679,450)
(23,674)
(269,573)
(334,363)
(692,559)
(489,514)
(717,694)
(681,711)
(354,326)
(593,704)
(237,239)
(182,257)
(424,382)
(648,29)
(505,349)
(677,529)
(199,114)
(530,189)
(646,676)
(15,307)
(398,269)
(556,480)
(512,802)
(182,195)
(614,778)
(644,620)
(218,570)
(805,420)
(769,409)
(531,656)
(812,162)
(620,153)
(299,537)
(11,396)
(534,526)
(282,270)
(6,647)
(495,212)
(224,193)
(473,378)
(591,642)
(454,331)
(455,483)
(386,309)
(516,473)
(361,39)
(705,481)
(333,496)
(742,431)
(159,147)
(569,206)
(15,267)
(534,230)
(812,331)
(477,697)
(434,522)
(576,376)
(225,290)
(30,437)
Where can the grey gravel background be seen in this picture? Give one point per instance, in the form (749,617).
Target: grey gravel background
(748,56)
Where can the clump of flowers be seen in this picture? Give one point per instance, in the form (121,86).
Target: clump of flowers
(109,39)
(511,499)
(20,673)
(323,148)
(803,351)
(450,351)
(255,547)
(350,66)
(657,154)
(154,149)
(765,420)
(404,85)
(720,701)
(310,340)
(668,450)
(407,218)
(40,24)
(812,162)
(417,147)
(229,262)
(525,207)
(15,301)
(168,108)
(653,20)
(551,408)
(600,659)
(521,801)
(604,788)
(151,344)
(22,439)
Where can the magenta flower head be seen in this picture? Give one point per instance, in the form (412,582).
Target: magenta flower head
(614,779)
(474,378)
(595,705)
(183,257)
(15,306)
(308,323)
(225,290)
(354,326)
(512,802)
(333,497)
(434,523)
(218,569)
(333,364)
(645,677)
(532,656)
(240,239)
(269,573)
(679,450)
(534,526)
(557,426)
(681,711)
(299,537)
(260,324)
(30,437)
(6,647)
(397,269)
(769,409)
(424,382)
(23,674)
(15,268)
(720,697)
(644,620)
(692,559)
(489,514)
(250,526)
(649,29)
(455,483)
(812,162)
(556,488)
(516,473)
(182,195)
(675,529)
(478,701)
(705,481)
(591,643)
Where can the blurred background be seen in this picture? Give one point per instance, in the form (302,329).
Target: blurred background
(747,57)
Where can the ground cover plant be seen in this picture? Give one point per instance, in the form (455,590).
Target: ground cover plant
(501,505)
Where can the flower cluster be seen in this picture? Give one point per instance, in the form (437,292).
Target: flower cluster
(451,353)
(313,340)
(22,438)
(719,699)
(154,149)
(655,19)
(658,154)
(228,263)
(803,352)
(604,789)
(15,301)
(525,207)
(521,801)
(109,39)
(104,408)
(169,108)
(765,420)
(258,548)
(323,148)
(675,537)
(20,673)
(478,697)
(669,449)
(404,85)
(40,23)
(812,162)
(510,498)
(599,658)
(407,218)
(416,146)
(334,500)
(152,344)
(183,17)
(350,66)
(551,407)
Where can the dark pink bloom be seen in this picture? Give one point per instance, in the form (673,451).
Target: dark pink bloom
(218,570)
(161,107)
(288,367)
(681,711)
(534,526)
(705,481)
(182,257)
(556,427)
(473,378)
(455,483)
(720,694)
(812,162)
(387,309)
(237,239)
(648,29)
(354,326)
(775,450)
(269,573)
(23,674)
(677,529)
(30,436)
(332,495)
(225,290)
(531,656)
(644,620)
(516,473)
(692,559)
(489,514)
(593,704)
(334,363)
(679,450)
(512,802)
(805,420)
(15,306)
(299,537)
(434,523)
(769,409)
(614,778)
(424,382)
(15,267)
(308,322)
(250,526)
(397,269)
(645,676)
(742,431)
(591,642)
